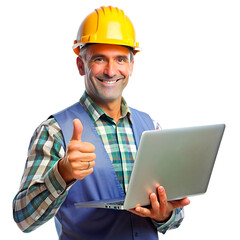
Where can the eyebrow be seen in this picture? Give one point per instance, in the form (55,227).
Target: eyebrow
(123,56)
(97,56)
(103,56)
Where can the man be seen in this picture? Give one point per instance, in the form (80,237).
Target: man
(86,152)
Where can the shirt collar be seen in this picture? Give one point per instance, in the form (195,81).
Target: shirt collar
(95,112)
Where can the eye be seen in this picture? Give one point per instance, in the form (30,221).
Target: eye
(120,59)
(99,59)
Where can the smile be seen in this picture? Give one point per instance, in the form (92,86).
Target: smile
(107,81)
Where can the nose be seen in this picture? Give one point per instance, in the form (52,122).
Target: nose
(110,69)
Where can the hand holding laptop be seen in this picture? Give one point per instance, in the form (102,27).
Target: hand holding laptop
(160,209)
(180,159)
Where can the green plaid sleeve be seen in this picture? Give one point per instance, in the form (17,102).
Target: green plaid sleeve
(173,223)
(42,189)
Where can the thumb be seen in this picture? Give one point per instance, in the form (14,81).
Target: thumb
(77,130)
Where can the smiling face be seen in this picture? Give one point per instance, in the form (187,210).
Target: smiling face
(106,69)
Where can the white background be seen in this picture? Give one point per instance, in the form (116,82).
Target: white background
(187,74)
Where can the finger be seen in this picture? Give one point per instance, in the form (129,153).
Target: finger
(82,165)
(185,201)
(180,203)
(80,156)
(144,212)
(162,199)
(77,130)
(154,202)
(84,147)
(86,157)
(135,212)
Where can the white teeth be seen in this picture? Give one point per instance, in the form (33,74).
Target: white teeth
(109,82)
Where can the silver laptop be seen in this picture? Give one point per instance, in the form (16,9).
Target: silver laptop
(181,160)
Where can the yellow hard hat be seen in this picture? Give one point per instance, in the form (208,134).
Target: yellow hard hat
(106,25)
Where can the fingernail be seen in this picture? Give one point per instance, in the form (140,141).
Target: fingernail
(161,189)
(137,209)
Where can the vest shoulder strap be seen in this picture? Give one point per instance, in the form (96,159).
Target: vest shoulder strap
(141,122)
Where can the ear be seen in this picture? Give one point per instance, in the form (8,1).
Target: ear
(80,66)
(131,68)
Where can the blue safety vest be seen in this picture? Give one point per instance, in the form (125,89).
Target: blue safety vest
(95,224)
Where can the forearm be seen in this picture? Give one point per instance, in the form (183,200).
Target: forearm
(40,201)
(42,189)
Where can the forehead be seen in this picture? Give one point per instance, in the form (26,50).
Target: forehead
(107,50)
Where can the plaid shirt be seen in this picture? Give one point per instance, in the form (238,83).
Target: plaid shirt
(42,189)
(117,138)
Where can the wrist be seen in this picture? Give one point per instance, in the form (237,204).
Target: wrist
(163,218)
(64,171)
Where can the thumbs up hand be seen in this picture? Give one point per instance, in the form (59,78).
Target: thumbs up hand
(79,159)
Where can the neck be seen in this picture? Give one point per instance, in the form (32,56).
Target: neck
(112,109)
